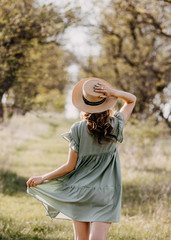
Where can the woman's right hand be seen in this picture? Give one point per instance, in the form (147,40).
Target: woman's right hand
(33,181)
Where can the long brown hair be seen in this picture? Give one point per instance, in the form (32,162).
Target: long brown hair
(98,125)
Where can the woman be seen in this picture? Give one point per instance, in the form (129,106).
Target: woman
(88,188)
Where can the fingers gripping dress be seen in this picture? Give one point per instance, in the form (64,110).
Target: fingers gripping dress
(92,191)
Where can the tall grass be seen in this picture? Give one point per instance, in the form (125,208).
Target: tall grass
(32,145)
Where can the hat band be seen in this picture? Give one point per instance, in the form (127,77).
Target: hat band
(93,103)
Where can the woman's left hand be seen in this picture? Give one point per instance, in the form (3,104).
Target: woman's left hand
(33,181)
(105,90)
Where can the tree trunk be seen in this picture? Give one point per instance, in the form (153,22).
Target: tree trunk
(1,110)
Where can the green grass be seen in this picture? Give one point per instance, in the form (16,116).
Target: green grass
(32,145)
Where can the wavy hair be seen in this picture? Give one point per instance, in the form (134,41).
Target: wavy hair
(98,125)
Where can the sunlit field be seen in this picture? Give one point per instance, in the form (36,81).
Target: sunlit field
(32,145)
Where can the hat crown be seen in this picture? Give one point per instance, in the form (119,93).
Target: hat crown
(88,91)
(85,99)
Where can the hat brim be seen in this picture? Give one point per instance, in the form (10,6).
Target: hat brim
(79,103)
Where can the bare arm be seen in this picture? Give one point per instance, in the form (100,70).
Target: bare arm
(61,171)
(129,98)
(129,104)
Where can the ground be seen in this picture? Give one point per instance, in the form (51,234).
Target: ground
(32,145)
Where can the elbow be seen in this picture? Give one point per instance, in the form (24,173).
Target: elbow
(70,168)
(134,99)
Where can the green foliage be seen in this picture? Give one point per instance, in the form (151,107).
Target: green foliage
(41,85)
(52,100)
(135,56)
(31,59)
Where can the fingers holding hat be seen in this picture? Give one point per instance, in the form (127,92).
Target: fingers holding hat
(83,96)
(101,88)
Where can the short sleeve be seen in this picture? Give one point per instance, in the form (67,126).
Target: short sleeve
(119,123)
(73,137)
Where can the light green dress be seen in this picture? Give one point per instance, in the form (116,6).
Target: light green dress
(92,191)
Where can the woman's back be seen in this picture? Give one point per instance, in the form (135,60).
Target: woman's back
(88,187)
(85,144)
(95,183)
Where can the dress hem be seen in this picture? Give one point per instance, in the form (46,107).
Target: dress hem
(69,217)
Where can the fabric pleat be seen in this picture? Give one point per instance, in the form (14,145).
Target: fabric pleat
(93,190)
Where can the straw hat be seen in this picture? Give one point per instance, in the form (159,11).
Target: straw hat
(85,99)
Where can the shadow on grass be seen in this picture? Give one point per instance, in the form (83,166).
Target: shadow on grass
(11,183)
(10,230)
(145,195)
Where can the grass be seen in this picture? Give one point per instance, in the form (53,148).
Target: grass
(32,145)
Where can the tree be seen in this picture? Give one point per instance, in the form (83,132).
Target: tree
(28,34)
(135,55)
(43,82)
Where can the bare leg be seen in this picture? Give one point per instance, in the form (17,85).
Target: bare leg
(81,230)
(99,230)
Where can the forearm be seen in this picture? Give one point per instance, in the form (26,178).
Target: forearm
(61,171)
(126,96)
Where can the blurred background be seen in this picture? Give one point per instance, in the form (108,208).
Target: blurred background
(46,47)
